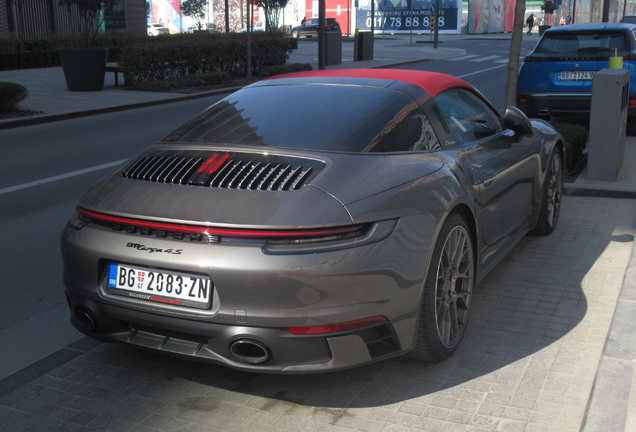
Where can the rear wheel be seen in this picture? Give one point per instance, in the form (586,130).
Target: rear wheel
(447,293)
(552,195)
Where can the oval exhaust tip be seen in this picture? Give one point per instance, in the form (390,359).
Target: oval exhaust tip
(84,319)
(250,351)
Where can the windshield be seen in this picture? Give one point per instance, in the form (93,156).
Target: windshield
(313,117)
(582,42)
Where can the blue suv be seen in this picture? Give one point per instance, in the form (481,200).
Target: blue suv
(556,78)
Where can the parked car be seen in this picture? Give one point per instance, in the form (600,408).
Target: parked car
(310,27)
(246,238)
(155,29)
(556,78)
(629,19)
(204,26)
(256,26)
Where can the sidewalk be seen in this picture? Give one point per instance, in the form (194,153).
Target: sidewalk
(48,92)
(550,345)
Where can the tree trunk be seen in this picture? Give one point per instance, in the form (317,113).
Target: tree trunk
(515,51)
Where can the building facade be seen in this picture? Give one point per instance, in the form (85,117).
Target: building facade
(32,19)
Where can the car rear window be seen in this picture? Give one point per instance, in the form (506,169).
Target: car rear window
(582,42)
(314,117)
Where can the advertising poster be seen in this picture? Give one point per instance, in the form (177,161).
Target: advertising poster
(402,16)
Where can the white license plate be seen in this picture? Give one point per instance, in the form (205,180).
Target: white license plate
(161,286)
(576,75)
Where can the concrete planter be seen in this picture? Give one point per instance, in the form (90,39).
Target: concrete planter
(84,69)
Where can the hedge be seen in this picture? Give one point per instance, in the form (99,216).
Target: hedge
(575,137)
(38,53)
(173,59)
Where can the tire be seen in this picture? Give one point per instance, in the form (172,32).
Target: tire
(295,34)
(552,195)
(447,294)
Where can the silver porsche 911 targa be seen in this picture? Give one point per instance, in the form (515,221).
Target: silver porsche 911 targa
(312,222)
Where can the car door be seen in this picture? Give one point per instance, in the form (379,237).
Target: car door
(503,167)
(310,28)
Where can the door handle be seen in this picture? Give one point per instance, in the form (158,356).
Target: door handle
(488,180)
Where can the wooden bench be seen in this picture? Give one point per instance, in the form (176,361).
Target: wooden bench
(115,69)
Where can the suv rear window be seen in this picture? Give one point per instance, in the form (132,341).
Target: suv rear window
(582,42)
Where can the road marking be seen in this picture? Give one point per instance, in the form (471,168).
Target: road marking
(501,61)
(485,58)
(463,57)
(483,70)
(60,177)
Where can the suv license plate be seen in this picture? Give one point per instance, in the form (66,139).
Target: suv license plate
(161,286)
(576,75)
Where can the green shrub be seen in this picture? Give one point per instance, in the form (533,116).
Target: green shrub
(575,137)
(11,94)
(179,57)
(269,71)
(211,78)
(168,85)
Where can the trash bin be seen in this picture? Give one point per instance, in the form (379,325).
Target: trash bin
(333,46)
(363,47)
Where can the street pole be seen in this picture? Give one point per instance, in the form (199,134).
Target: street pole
(436,31)
(227,16)
(411,14)
(373,17)
(322,58)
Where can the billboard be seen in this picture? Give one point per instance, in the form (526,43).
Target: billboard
(404,16)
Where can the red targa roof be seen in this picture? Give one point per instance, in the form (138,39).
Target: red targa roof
(433,82)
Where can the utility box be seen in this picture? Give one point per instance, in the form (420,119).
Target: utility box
(363,46)
(333,46)
(608,123)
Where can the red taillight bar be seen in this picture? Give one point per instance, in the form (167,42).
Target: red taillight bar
(335,328)
(214,231)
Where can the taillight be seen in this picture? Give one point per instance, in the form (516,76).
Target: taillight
(339,327)
(162,229)
(523,102)
(632,103)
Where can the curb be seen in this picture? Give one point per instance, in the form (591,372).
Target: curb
(49,118)
(612,402)
(598,193)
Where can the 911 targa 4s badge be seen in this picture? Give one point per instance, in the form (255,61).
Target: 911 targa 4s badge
(312,237)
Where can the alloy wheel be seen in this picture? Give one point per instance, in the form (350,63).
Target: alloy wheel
(454,287)
(555,190)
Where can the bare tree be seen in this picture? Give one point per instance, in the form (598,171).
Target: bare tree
(515,52)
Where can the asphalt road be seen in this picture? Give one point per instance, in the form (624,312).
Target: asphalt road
(484,65)
(46,168)
(33,311)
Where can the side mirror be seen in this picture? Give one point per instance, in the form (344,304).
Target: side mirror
(482,129)
(517,121)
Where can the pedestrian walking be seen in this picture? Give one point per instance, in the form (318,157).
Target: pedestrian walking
(530,23)
(562,20)
(568,19)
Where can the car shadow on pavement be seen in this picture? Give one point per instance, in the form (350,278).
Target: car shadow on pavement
(538,325)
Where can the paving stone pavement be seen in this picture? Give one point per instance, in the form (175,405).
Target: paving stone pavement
(527,363)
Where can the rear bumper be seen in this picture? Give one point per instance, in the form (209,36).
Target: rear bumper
(560,104)
(212,342)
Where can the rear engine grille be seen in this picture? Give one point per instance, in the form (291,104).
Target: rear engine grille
(225,170)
